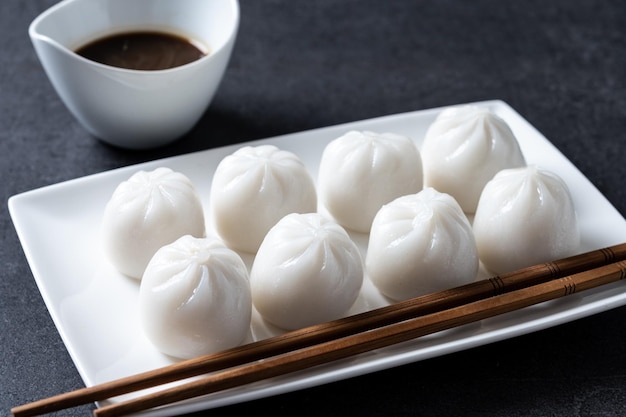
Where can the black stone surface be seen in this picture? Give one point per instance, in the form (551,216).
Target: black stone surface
(299,65)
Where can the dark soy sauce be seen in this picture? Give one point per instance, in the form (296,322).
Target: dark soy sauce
(142,50)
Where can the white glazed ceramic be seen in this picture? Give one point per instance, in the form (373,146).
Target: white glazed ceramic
(130,108)
(95,308)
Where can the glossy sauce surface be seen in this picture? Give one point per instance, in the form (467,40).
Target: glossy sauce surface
(142,50)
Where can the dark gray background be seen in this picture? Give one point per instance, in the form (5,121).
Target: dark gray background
(305,64)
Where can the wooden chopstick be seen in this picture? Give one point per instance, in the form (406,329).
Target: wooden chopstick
(377,338)
(329,331)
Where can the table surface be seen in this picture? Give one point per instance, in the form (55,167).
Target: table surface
(299,65)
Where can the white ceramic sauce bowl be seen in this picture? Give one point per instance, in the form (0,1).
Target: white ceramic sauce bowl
(135,109)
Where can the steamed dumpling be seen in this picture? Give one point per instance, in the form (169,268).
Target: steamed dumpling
(307,271)
(361,171)
(419,244)
(254,188)
(464,148)
(525,216)
(195,298)
(149,210)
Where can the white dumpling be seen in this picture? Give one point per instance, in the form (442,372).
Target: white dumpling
(194,298)
(361,171)
(147,211)
(464,148)
(525,216)
(255,187)
(419,244)
(307,271)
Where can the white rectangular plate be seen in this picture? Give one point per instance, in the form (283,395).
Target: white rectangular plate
(94,307)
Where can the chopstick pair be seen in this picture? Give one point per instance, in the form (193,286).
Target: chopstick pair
(323,343)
